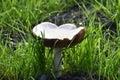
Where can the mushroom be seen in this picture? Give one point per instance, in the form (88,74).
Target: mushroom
(65,35)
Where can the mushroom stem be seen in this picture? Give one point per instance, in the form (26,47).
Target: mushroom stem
(57,59)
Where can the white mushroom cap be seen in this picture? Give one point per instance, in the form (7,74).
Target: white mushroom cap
(64,33)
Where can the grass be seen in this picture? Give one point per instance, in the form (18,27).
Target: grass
(96,55)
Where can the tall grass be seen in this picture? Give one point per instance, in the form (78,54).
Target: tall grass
(95,56)
(103,52)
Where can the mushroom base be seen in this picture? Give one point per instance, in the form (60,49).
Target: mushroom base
(57,60)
